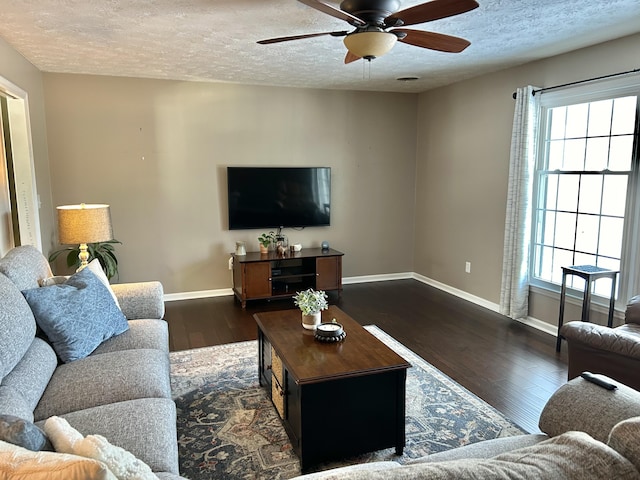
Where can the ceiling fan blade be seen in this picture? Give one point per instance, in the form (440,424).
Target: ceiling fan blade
(299,37)
(429,11)
(334,12)
(350,57)
(432,40)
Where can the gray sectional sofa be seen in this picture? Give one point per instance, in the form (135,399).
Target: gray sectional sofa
(121,390)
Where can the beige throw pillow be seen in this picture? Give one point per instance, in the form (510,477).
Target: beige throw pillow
(20,463)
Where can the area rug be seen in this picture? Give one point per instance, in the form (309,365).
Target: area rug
(228,428)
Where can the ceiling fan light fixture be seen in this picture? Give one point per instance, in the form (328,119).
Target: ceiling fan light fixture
(370,45)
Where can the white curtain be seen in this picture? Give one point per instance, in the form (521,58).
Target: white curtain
(514,294)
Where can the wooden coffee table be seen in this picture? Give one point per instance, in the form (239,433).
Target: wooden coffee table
(335,399)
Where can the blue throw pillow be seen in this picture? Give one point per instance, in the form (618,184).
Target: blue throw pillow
(76,316)
(23,433)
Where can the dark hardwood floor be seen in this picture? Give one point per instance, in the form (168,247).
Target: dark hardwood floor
(513,367)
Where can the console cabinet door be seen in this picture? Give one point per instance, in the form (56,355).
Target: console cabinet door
(329,273)
(257,280)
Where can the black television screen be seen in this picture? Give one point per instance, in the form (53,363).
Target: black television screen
(272,197)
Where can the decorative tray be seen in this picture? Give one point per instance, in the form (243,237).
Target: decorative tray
(330,332)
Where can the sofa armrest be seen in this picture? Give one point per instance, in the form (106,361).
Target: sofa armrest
(614,340)
(140,300)
(583,406)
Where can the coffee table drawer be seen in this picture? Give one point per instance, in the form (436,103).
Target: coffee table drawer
(277,396)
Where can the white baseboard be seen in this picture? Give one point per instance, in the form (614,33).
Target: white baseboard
(530,321)
(458,293)
(377,278)
(222,292)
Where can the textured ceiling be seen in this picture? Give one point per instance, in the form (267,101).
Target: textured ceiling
(215,40)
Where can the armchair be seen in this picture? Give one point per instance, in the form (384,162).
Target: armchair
(614,352)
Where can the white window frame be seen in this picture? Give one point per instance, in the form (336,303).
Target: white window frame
(629,277)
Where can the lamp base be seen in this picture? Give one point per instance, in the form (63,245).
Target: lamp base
(83,256)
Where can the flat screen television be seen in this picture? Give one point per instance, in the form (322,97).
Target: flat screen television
(273,197)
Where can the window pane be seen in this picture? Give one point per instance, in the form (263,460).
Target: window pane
(614,195)
(556,155)
(624,115)
(590,194)
(597,154)
(552,191)
(587,234)
(544,263)
(568,192)
(577,120)
(621,153)
(549,228)
(611,236)
(557,118)
(585,259)
(566,230)
(574,154)
(600,118)
(562,258)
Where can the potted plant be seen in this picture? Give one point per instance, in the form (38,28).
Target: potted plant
(311,302)
(103,251)
(265,240)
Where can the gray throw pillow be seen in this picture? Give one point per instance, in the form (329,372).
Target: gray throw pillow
(23,433)
(76,316)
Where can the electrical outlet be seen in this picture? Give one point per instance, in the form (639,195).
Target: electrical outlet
(467,267)
(230,263)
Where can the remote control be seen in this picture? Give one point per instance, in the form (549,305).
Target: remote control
(590,377)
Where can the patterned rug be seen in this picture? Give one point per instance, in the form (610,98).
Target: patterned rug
(228,428)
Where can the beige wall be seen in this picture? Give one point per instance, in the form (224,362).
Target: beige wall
(464,134)
(156,151)
(17,70)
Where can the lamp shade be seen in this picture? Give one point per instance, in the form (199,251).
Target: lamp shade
(84,224)
(370,44)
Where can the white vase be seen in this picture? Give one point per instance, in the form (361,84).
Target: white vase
(310,322)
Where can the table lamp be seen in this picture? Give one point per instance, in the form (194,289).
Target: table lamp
(82,224)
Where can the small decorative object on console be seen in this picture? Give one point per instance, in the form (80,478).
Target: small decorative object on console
(330,332)
(325,245)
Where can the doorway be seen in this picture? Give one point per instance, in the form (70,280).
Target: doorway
(19,220)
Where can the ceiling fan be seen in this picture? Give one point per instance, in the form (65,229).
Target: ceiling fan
(376,25)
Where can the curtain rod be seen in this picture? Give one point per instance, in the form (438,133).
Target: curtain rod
(542,90)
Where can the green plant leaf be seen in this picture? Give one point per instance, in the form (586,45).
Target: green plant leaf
(103,251)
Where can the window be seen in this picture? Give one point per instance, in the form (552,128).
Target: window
(585,190)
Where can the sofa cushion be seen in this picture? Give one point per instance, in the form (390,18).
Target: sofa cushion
(625,439)
(25,266)
(23,387)
(17,326)
(106,378)
(145,427)
(19,431)
(76,316)
(141,334)
(485,449)
(20,463)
